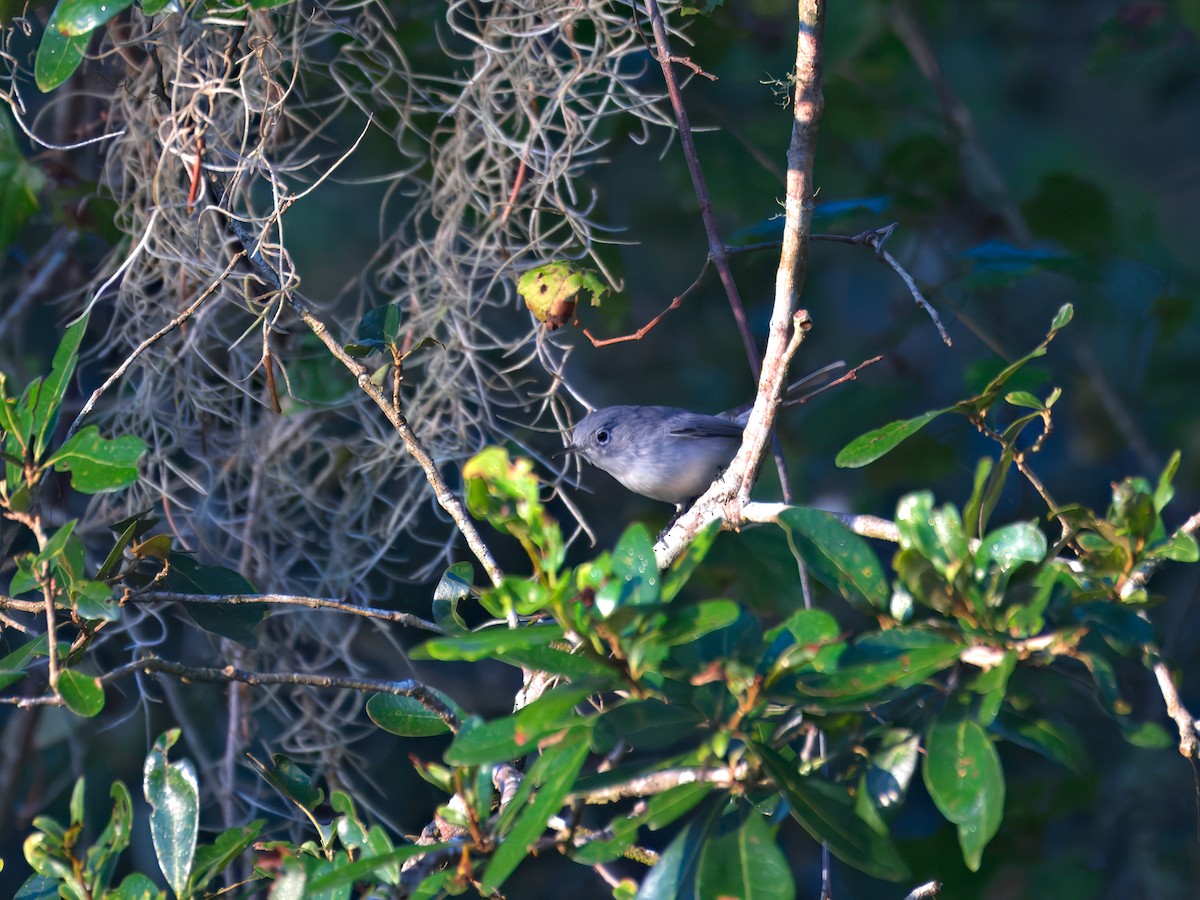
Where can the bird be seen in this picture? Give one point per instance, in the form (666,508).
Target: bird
(667,453)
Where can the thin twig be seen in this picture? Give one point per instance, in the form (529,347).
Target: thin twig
(657,782)
(149,342)
(1176,710)
(446,498)
(227,674)
(368,612)
(717,252)
(727,497)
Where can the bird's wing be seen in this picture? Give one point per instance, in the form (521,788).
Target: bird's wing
(695,425)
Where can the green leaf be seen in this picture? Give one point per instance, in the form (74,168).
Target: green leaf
(212,859)
(897,658)
(1148,736)
(691,623)
(235,621)
(973,522)
(838,557)
(407,716)
(83,694)
(173,793)
(826,812)
(102,856)
(891,768)
(871,446)
(56,544)
(136,887)
(81,17)
(551,291)
(54,388)
(93,600)
(452,589)
(58,56)
(553,775)
(647,725)
(572,666)
(963,775)
(674,875)
(1180,547)
(154,7)
(97,464)
(747,864)
(634,569)
(551,716)
(1057,741)
(1010,546)
(487,643)
(1024,399)
(659,812)
(996,385)
(290,780)
(687,562)
(363,869)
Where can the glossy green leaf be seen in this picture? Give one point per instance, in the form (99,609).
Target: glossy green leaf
(572,666)
(54,387)
(452,589)
(838,557)
(690,623)
(290,780)
(173,793)
(673,877)
(81,17)
(102,857)
(964,778)
(892,767)
(1024,399)
(212,859)
(1164,491)
(903,659)
(1056,741)
(634,568)
(58,56)
(348,874)
(1180,547)
(798,640)
(1010,546)
(686,563)
(552,716)
(871,446)
(407,716)
(96,464)
(991,686)
(1147,735)
(826,811)
(487,643)
(549,780)
(746,864)
(56,544)
(136,887)
(83,694)
(646,725)
(235,621)
(154,7)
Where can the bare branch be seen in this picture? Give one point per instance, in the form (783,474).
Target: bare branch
(727,497)
(368,612)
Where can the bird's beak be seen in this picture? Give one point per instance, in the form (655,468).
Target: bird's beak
(570,448)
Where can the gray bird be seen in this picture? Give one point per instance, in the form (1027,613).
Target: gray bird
(666,453)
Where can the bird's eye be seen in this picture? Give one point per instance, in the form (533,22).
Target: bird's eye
(602,437)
